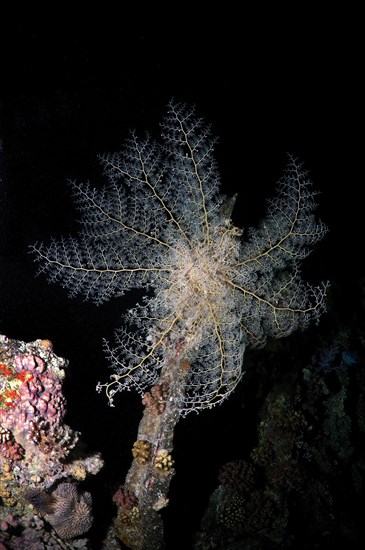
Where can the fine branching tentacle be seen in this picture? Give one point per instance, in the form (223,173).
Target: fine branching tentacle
(160,224)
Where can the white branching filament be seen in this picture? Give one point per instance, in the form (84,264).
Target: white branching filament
(161,225)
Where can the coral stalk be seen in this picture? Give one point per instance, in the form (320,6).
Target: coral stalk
(149,481)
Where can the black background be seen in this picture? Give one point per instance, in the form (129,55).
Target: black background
(71,88)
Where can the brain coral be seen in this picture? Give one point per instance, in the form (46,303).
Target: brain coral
(68,511)
(72,511)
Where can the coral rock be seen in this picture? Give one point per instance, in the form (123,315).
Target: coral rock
(34,445)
